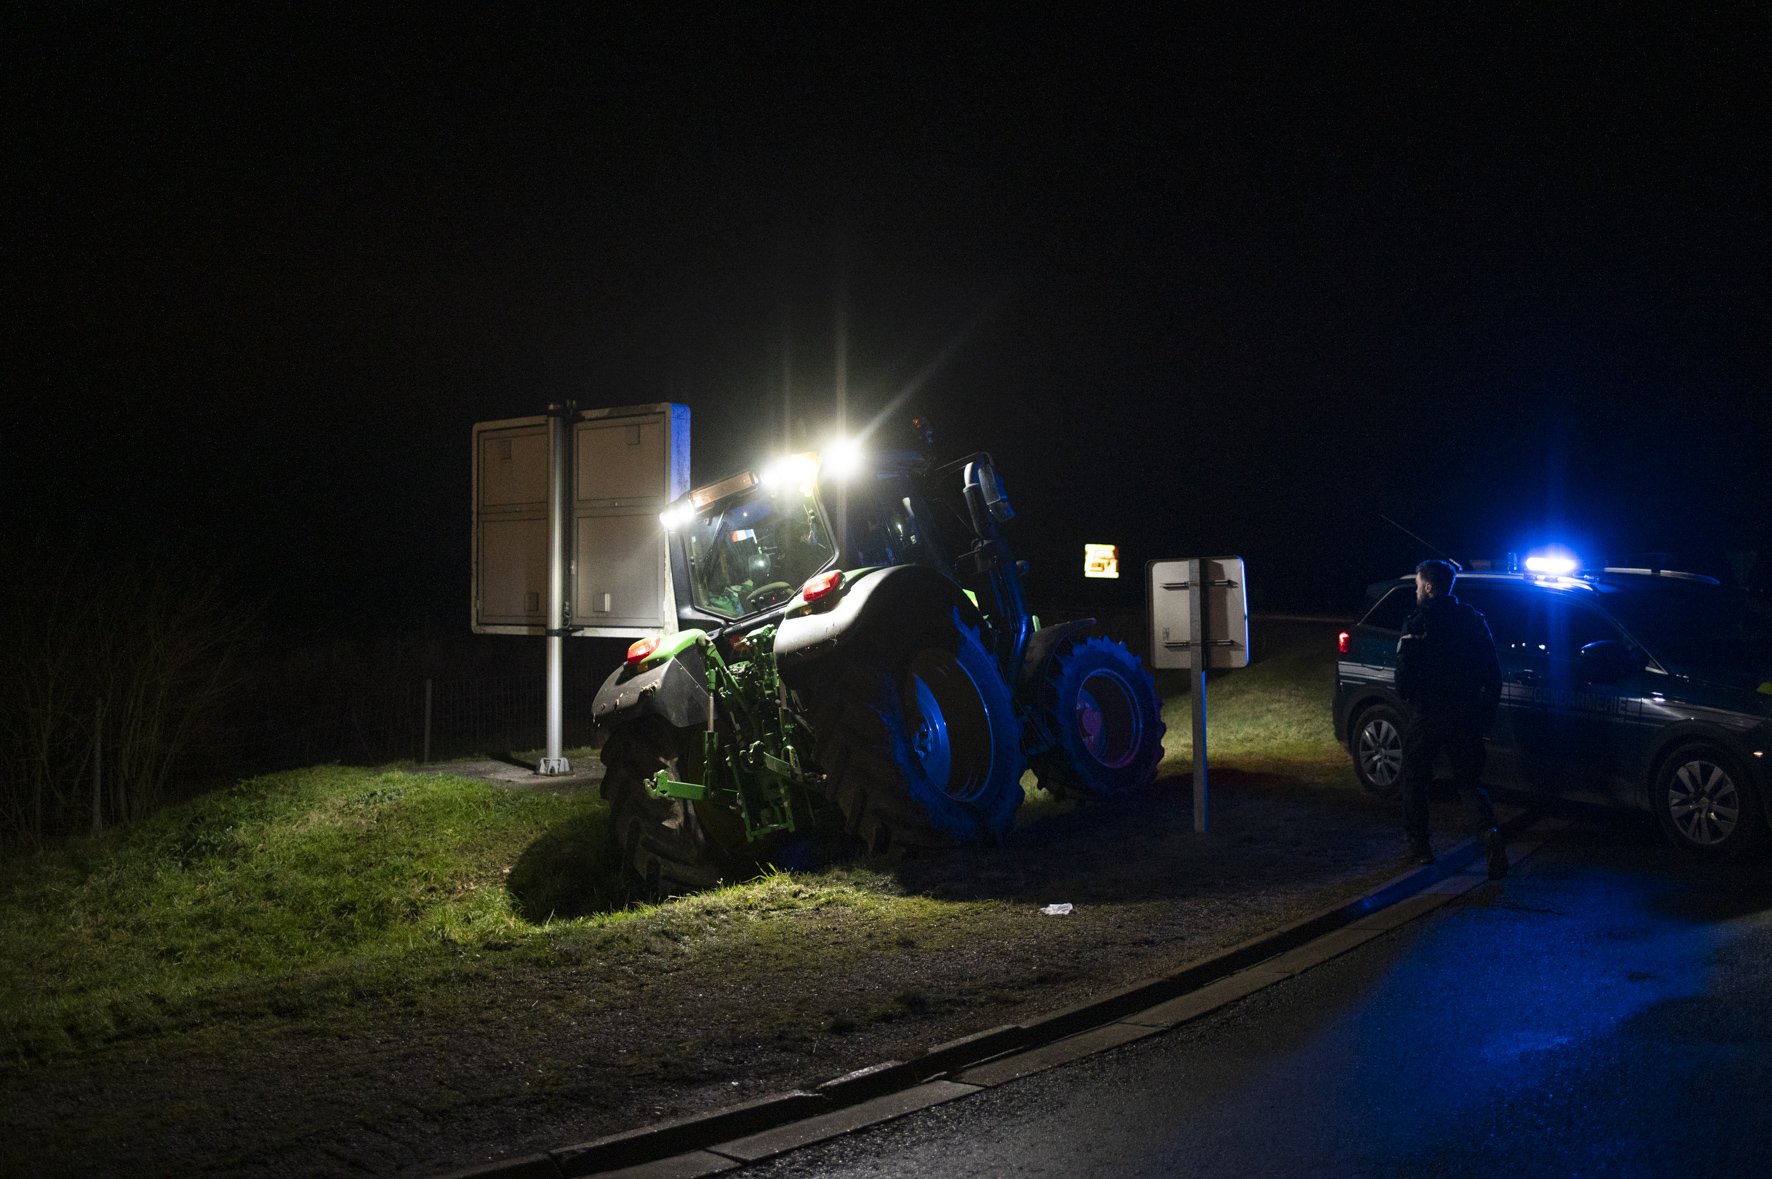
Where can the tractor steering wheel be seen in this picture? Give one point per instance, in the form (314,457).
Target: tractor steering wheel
(753,595)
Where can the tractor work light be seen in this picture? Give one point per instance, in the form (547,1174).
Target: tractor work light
(701,497)
(678,516)
(842,458)
(820,585)
(797,470)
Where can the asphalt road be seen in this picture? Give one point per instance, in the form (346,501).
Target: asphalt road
(1607,1010)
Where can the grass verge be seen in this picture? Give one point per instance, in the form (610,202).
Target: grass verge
(285,892)
(1272,717)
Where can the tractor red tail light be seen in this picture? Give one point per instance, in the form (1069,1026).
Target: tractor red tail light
(1341,643)
(642,649)
(821,585)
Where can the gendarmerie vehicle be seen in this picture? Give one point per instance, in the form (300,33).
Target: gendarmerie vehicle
(1646,688)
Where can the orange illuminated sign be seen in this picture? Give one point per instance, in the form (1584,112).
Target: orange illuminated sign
(1101,560)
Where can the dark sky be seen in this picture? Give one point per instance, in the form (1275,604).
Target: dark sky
(1234,285)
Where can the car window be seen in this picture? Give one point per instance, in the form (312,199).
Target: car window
(1696,628)
(1557,630)
(1502,608)
(1392,609)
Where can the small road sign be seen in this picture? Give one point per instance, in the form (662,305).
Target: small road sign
(1199,615)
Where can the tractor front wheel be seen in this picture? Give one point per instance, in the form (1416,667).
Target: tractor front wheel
(919,741)
(1102,705)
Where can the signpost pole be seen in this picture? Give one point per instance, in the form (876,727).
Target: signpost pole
(559,520)
(1198,655)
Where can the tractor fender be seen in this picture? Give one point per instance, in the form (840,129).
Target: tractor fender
(671,690)
(1039,652)
(884,600)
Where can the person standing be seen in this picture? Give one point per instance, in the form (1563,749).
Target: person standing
(1450,683)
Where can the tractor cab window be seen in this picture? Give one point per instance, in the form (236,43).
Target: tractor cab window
(884,525)
(748,555)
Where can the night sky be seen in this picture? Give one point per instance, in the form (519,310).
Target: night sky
(1238,286)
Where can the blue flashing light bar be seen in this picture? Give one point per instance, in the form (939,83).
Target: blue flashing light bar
(1551,565)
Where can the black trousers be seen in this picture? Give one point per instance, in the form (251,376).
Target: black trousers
(1462,739)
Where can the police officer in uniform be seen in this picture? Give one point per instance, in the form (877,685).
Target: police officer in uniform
(1450,681)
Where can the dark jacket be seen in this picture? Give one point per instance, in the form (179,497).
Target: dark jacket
(1446,665)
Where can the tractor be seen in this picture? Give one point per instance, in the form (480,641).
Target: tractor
(854,650)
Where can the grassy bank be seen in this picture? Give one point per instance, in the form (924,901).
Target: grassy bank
(284,877)
(292,896)
(297,896)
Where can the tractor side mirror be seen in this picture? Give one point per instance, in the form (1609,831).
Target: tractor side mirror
(996,500)
(1609,661)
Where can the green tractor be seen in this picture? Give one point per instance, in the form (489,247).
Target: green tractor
(854,651)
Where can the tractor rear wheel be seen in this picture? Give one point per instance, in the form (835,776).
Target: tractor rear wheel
(663,840)
(919,742)
(1102,705)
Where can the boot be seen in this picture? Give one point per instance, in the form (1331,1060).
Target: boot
(1496,845)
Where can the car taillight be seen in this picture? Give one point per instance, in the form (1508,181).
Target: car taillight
(1341,643)
(643,648)
(821,585)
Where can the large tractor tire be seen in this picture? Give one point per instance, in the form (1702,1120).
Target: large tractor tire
(663,840)
(919,741)
(1104,708)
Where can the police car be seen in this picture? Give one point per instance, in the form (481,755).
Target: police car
(1645,688)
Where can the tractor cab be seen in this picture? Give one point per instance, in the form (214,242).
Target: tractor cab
(741,548)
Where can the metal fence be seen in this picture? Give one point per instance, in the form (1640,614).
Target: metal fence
(421,720)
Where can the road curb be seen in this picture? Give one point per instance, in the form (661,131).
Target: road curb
(709,1143)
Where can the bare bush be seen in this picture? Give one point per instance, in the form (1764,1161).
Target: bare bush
(130,665)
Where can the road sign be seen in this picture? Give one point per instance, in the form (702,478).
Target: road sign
(623,466)
(566,538)
(1168,593)
(1199,616)
(1101,560)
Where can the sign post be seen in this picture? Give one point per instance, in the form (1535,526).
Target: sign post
(559,541)
(1199,614)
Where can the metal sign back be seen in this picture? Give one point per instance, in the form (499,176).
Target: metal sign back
(1167,590)
(624,465)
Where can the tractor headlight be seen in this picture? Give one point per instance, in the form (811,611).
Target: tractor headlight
(797,470)
(842,459)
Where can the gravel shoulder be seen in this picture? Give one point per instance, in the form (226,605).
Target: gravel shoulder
(707,1000)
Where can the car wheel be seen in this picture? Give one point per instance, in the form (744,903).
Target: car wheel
(1705,803)
(1377,746)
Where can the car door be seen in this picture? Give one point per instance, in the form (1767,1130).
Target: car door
(1576,738)
(1504,608)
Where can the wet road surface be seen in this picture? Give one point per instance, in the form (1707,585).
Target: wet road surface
(1607,1010)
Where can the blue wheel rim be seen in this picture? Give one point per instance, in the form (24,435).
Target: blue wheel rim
(929,739)
(949,725)
(1108,722)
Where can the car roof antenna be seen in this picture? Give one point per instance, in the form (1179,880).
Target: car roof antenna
(1455,565)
